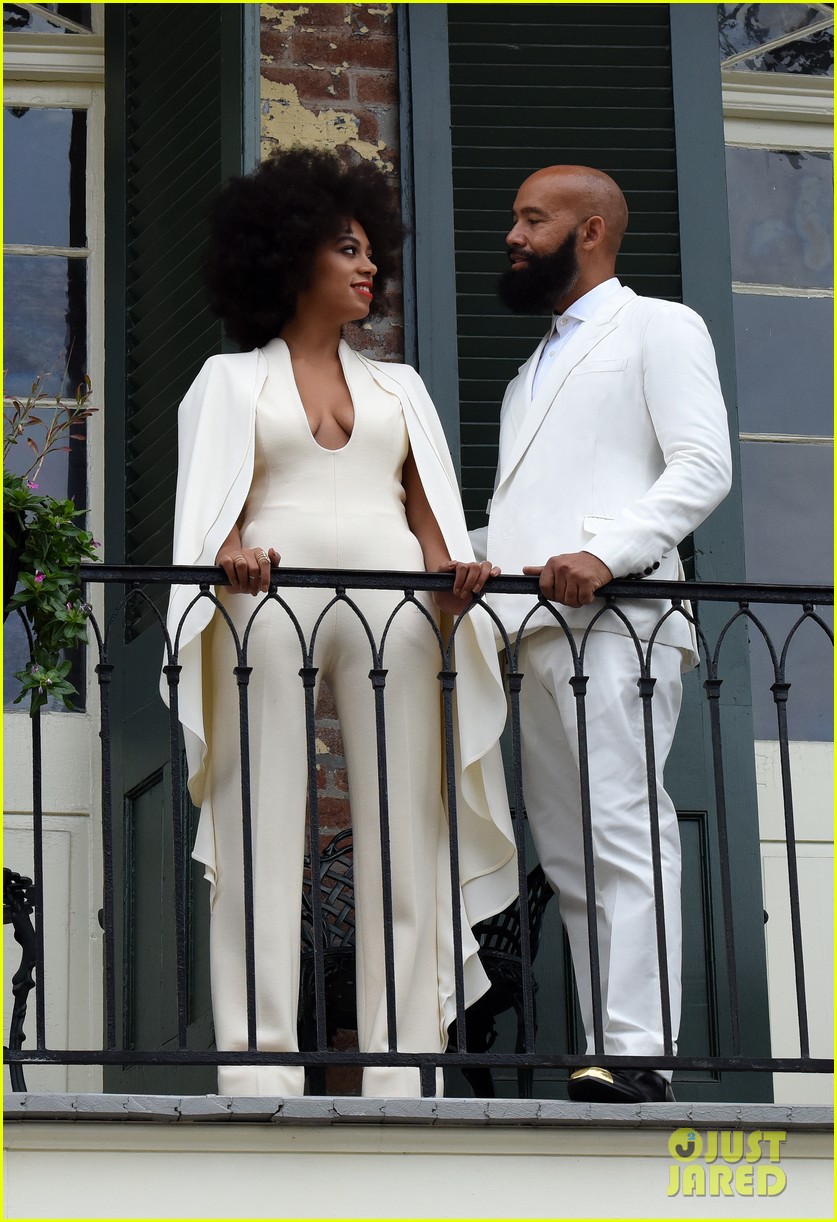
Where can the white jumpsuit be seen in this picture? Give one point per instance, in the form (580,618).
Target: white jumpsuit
(329,509)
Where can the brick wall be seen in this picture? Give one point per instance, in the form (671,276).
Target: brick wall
(329,78)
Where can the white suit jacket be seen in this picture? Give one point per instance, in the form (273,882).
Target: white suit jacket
(623,451)
(216,447)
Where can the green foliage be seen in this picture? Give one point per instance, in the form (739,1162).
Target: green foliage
(52,546)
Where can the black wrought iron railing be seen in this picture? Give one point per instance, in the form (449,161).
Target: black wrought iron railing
(723,616)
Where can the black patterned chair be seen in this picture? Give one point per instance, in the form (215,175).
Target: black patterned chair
(500,939)
(338,945)
(500,943)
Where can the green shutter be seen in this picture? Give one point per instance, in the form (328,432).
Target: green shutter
(170,151)
(175,108)
(530,86)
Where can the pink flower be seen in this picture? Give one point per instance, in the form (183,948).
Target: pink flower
(39,576)
(29,484)
(96,543)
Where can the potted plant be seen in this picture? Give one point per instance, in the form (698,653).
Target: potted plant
(44,544)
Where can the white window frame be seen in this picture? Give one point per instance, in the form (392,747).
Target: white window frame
(59,95)
(778,110)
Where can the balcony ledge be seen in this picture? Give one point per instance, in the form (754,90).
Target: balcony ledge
(159,1156)
(327,1110)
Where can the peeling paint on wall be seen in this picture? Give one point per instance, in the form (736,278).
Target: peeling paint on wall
(332,71)
(286,17)
(329,79)
(285,121)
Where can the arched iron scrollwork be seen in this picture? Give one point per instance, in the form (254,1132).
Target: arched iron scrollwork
(18,907)
(327,923)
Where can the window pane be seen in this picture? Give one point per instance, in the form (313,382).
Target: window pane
(64,474)
(745,26)
(45,319)
(787,492)
(783,350)
(811,56)
(44,174)
(26,19)
(16,658)
(808,668)
(780,217)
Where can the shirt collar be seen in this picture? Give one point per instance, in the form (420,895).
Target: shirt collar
(585,307)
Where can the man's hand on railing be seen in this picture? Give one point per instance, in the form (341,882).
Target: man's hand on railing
(571,579)
(469,578)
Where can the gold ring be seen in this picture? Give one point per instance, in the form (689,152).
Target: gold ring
(260,556)
(239,557)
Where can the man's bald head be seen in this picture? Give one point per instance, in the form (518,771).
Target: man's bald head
(569,221)
(587,192)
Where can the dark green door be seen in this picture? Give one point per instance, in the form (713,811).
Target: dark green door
(623,88)
(175,102)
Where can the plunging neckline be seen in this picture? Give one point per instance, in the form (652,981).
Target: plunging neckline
(307,422)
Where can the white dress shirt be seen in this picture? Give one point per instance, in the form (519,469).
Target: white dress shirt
(565,326)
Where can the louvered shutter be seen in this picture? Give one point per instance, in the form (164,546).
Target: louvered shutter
(176,114)
(182,107)
(534,85)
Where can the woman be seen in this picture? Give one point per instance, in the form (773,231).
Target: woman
(302,451)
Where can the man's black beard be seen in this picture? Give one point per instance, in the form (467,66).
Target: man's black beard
(545,279)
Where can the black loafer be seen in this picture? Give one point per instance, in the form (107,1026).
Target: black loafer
(594,1085)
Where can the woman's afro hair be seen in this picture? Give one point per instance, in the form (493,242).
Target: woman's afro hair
(266,227)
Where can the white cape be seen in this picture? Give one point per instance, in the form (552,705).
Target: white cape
(216,447)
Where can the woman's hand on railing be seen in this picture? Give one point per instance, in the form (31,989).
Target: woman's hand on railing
(469,578)
(248,568)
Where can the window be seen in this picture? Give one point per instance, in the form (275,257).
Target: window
(780,217)
(47,18)
(778,106)
(793,38)
(52,126)
(46,253)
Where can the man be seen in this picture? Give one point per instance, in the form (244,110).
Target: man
(613,447)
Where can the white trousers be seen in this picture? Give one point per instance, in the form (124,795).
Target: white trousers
(279,780)
(624,886)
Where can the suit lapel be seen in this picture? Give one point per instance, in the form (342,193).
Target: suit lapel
(519,401)
(529,416)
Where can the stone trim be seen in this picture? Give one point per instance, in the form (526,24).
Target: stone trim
(334,1110)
